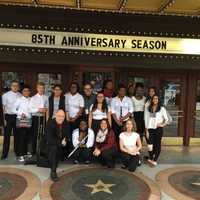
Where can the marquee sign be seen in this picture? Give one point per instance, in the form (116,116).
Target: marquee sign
(98,42)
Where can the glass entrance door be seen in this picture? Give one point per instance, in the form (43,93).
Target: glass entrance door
(172,96)
(196,133)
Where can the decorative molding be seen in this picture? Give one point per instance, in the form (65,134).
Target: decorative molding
(122,5)
(180,14)
(165,5)
(78,4)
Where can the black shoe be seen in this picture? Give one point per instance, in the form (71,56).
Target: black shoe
(76,162)
(3,157)
(54,176)
(146,158)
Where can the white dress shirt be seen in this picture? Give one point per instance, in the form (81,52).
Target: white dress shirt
(22,106)
(38,101)
(153,119)
(138,104)
(73,103)
(121,108)
(90,139)
(8,101)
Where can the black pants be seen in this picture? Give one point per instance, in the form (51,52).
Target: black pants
(155,137)
(10,126)
(139,120)
(34,131)
(95,126)
(83,154)
(130,161)
(23,135)
(117,129)
(108,157)
(55,152)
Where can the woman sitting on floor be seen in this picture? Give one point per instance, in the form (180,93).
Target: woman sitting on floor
(84,137)
(105,145)
(130,146)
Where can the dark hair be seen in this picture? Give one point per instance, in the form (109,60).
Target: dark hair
(121,85)
(138,85)
(107,122)
(106,82)
(155,90)
(88,83)
(83,120)
(25,86)
(131,85)
(104,103)
(151,104)
(57,85)
(75,83)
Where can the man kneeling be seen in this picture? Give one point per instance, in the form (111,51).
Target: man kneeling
(57,131)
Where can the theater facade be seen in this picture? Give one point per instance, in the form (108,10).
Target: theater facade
(58,44)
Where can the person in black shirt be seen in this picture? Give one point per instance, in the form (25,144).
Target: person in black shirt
(57,133)
(56,102)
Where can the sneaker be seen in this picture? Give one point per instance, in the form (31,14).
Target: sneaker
(21,159)
(76,162)
(29,155)
(124,167)
(139,163)
(154,163)
(87,162)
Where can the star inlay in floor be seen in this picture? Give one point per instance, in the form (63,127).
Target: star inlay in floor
(100,186)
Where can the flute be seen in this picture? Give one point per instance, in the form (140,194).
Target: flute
(83,140)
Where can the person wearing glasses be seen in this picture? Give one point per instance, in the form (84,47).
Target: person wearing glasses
(56,102)
(89,98)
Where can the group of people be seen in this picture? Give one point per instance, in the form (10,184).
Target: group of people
(91,126)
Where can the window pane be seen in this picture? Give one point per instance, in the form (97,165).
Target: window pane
(8,77)
(49,80)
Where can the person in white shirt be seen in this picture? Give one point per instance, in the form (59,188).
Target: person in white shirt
(22,110)
(38,108)
(155,119)
(121,110)
(130,146)
(139,107)
(74,106)
(8,101)
(98,111)
(84,137)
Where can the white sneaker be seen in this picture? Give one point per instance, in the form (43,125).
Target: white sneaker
(29,155)
(21,159)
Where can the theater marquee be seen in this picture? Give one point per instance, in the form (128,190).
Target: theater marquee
(98,42)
